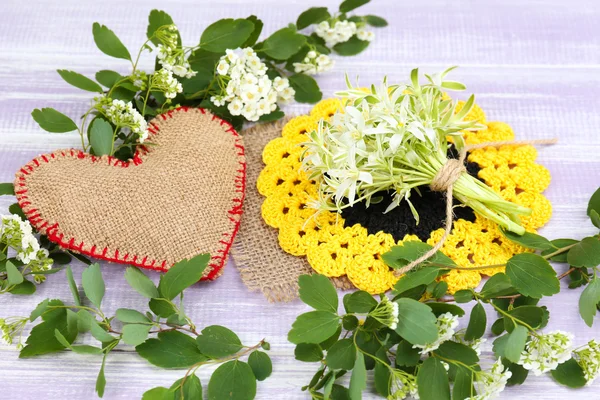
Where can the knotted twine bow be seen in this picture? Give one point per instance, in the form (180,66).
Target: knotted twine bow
(444,182)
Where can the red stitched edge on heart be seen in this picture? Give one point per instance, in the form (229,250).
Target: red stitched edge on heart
(54,235)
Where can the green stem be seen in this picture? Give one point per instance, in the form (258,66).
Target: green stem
(515,320)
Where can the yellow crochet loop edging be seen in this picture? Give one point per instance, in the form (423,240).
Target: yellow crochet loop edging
(334,250)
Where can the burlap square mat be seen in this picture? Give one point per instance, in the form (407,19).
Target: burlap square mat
(263,265)
(181,195)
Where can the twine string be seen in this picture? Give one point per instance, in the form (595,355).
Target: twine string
(444,181)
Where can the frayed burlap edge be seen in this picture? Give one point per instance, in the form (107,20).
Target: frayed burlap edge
(263,265)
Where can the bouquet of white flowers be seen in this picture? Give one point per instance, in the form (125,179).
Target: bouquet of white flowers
(396,138)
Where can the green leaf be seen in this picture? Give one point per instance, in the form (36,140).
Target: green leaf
(318,292)
(421,276)
(359,302)
(7,189)
(519,374)
(497,285)
(558,244)
(352,47)
(463,296)
(261,365)
(349,5)
(595,217)
(341,355)
(73,286)
(594,204)
(400,256)
(308,352)
(15,209)
(432,381)
(477,323)
(135,334)
(532,275)
(226,34)
(93,284)
(101,379)
(258,26)
(172,349)
(588,302)
(108,78)
(183,275)
(440,289)
(233,380)
(459,352)
(157,393)
(98,332)
(42,339)
(442,308)
(162,307)
(85,349)
(307,89)
(283,44)
(53,121)
(191,390)
(349,322)
(39,310)
(217,341)
(529,240)
(358,380)
(515,343)
(406,355)
(376,21)
(84,321)
(60,258)
(141,283)
(463,385)
(13,274)
(80,81)
(531,315)
(101,137)
(313,15)
(129,316)
(585,253)
(382,379)
(156,19)
(314,327)
(109,43)
(417,323)
(330,341)
(570,374)
(24,288)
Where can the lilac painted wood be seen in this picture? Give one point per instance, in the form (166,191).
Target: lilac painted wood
(534,64)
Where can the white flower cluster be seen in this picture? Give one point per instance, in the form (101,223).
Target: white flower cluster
(18,235)
(11,327)
(314,63)
(446,323)
(164,81)
(139,79)
(386,312)
(545,352)
(403,385)
(335,32)
(489,384)
(169,55)
(123,115)
(365,35)
(588,358)
(247,88)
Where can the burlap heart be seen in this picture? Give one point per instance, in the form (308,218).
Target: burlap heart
(181,195)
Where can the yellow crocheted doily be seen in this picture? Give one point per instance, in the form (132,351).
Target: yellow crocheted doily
(333,250)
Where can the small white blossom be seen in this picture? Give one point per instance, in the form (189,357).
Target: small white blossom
(403,385)
(314,63)
(544,352)
(445,323)
(489,384)
(124,115)
(386,312)
(18,235)
(588,359)
(365,35)
(245,87)
(164,81)
(340,32)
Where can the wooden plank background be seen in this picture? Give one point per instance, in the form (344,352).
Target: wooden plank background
(534,64)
